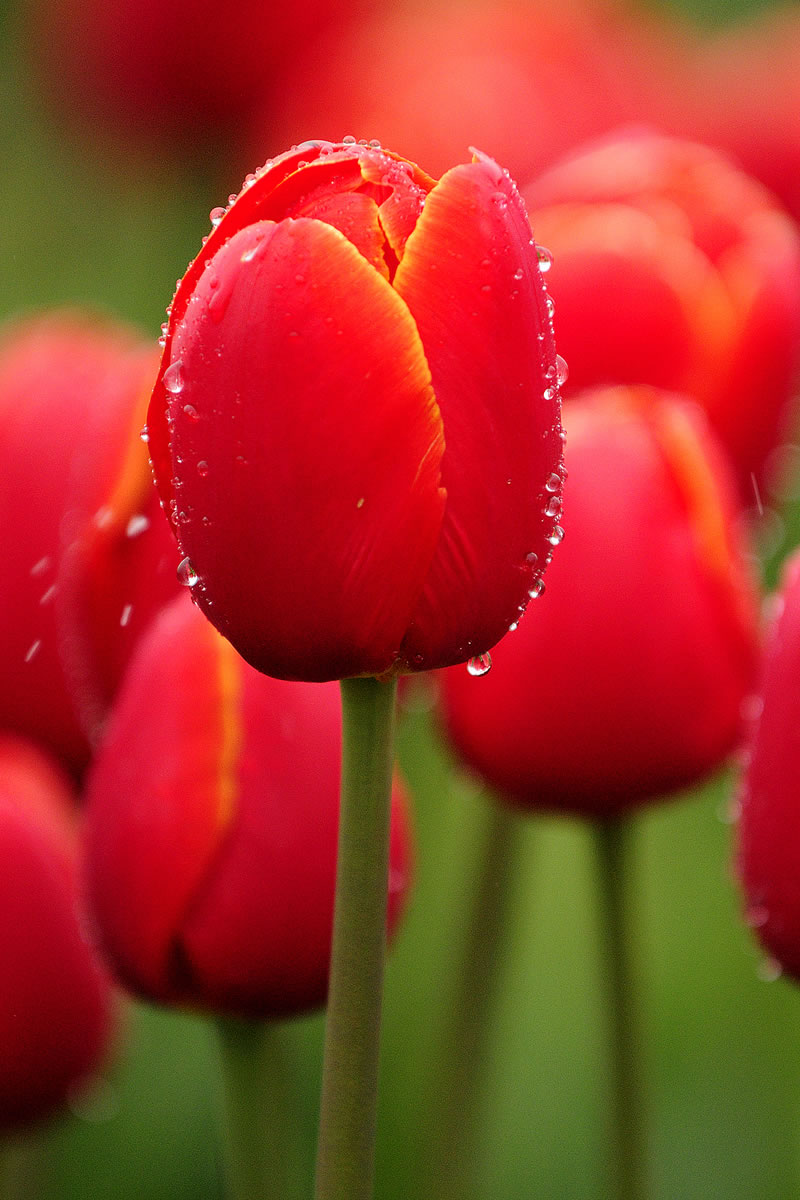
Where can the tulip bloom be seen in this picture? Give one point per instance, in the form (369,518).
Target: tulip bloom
(84,557)
(699,265)
(356,421)
(54,998)
(628,683)
(769,827)
(212,828)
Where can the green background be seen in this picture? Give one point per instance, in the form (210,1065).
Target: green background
(722,1047)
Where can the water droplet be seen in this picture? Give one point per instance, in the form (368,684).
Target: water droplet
(125,615)
(144,434)
(480,665)
(537,588)
(41,566)
(374,144)
(519,273)
(556,536)
(553,482)
(136,525)
(216,215)
(532,559)
(187,574)
(348,140)
(513,626)
(33,650)
(551,308)
(202,468)
(553,507)
(545,259)
(191,412)
(173,378)
(769,969)
(562,370)
(549,393)
(757,916)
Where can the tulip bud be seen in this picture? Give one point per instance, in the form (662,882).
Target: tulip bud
(628,683)
(702,264)
(54,998)
(212,828)
(769,826)
(72,394)
(357,415)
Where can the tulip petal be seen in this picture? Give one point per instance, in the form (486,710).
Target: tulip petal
(470,277)
(312,398)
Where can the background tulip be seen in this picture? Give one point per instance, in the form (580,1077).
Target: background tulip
(700,266)
(356,426)
(629,680)
(85,563)
(768,830)
(54,999)
(212,828)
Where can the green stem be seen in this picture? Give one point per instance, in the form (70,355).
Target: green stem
(613,839)
(461,1063)
(263,1158)
(346,1149)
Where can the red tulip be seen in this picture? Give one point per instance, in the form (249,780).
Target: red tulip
(54,998)
(698,268)
(212,828)
(75,475)
(627,682)
(530,79)
(769,827)
(357,415)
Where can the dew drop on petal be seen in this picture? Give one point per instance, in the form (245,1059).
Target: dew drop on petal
(144,434)
(202,468)
(216,215)
(550,305)
(562,370)
(769,969)
(480,665)
(545,259)
(187,574)
(173,378)
(191,412)
(553,482)
(556,536)
(553,507)
(536,589)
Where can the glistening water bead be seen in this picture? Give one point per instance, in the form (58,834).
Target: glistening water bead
(187,574)
(481,664)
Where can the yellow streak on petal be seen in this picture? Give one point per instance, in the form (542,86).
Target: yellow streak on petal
(229,683)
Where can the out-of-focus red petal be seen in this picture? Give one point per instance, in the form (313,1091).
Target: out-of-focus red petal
(471,279)
(331,378)
(144,864)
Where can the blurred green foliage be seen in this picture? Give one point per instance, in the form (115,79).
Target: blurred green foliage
(722,1047)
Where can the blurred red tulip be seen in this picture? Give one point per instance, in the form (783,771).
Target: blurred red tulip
(212,828)
(184,73)
(54,998)
(769,826)
(75,477)
(675,269)
(357,415)
(525,80)
(627,681)
(746,96)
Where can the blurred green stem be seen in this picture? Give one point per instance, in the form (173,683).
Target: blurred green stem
(613,839)
(460,1067)
(263,1156)
(346,1149)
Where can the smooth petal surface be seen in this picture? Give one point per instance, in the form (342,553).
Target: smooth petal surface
(628,680)
(313,449)
(471,278)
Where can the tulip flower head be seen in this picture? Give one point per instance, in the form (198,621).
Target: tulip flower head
(769,827)
(629,683)
(54,998)
(212,828)
(356,419)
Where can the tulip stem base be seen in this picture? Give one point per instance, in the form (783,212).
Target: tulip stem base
(262,1157)
(346,1148)
(461,1064)
(613,839)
